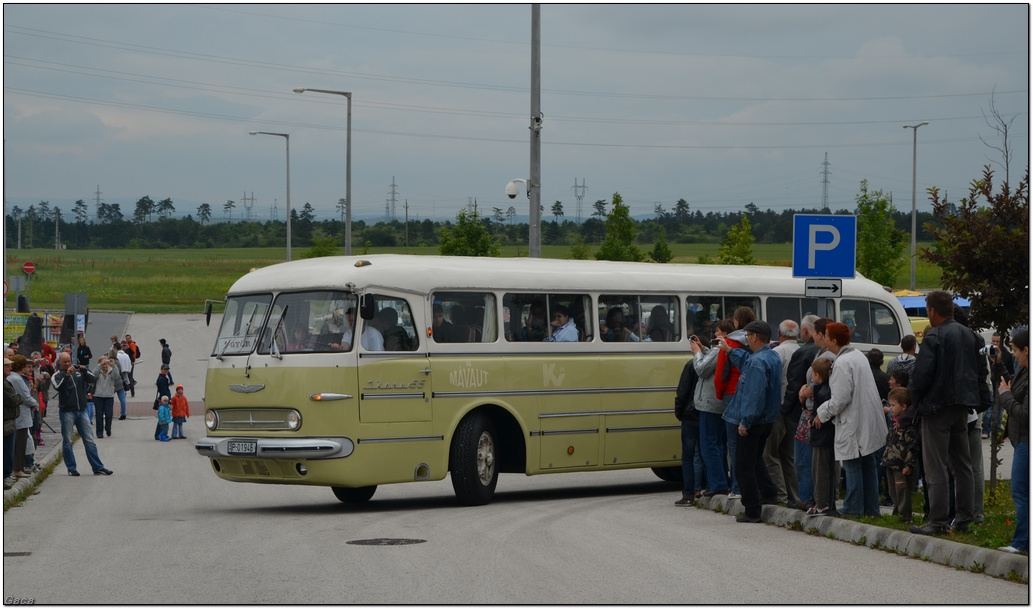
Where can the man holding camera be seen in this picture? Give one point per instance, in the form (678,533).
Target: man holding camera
(70,383)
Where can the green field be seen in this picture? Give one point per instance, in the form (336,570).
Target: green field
(179,280)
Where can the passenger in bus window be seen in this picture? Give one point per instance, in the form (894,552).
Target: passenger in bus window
(372,335)
(562,328)
(616,331)
(443,331)
(298,339)
(535,327)
(659,329)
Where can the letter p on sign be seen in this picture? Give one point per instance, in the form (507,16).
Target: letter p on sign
(824,245)
(813,244)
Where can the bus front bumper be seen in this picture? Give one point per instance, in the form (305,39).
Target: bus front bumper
(276,448)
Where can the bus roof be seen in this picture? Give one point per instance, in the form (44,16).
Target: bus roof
(428,273)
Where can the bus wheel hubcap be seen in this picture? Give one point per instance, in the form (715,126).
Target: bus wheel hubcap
(485,458)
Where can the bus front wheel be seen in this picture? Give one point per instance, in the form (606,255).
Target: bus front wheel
(473,460)
(354,495)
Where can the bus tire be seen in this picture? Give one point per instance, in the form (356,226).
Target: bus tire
(354,495)
(668,474)
(473,460)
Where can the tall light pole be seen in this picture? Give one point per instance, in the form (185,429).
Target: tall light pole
(914,196)
(347,170)
(287,138)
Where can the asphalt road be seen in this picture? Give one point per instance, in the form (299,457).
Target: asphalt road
(163,529)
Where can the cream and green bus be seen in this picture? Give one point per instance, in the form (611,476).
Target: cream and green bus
(352,372)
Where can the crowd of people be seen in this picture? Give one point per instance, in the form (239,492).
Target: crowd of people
(779,422)
(84,394)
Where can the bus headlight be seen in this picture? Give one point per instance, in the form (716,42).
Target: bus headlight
(293,420)
(211,420)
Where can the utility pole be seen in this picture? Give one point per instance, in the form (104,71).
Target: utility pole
(534,185)
(57,226)
(406,224)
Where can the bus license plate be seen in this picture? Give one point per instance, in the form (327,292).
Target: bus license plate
(238,447)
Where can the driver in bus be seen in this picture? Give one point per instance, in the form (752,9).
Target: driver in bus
(563,329)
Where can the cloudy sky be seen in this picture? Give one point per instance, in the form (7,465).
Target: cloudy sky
(721,105)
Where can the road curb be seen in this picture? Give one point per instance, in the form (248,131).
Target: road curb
(933,549)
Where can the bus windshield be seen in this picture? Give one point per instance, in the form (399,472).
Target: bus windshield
(241,323)
(305,322)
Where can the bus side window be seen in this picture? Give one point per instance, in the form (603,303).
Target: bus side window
(394,322)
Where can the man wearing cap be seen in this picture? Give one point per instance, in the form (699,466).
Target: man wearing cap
(70,383)
(755,407)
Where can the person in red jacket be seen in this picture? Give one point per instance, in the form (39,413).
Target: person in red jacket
(726,378)
(180,413)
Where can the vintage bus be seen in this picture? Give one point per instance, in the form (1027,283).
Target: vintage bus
(352,372)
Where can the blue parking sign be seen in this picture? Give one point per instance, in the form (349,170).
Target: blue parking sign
(824,245)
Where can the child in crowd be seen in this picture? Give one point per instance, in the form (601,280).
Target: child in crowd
(164,418)
(180,413)
(823,457)
(901,456)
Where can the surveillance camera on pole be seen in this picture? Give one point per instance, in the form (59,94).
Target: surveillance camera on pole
(512,190)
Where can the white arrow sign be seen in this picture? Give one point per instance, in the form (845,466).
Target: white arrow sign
(823,288)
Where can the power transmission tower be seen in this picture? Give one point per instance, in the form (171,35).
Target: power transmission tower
(825,173)
(579,194)
(96,198)
(394,198)
(274,213)
(248,204)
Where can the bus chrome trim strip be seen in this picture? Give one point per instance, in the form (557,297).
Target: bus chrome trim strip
(595,413)
(643,428)
(565,432)
(329,397)
(280,448)
(536,392)
(400,439)
(393,396)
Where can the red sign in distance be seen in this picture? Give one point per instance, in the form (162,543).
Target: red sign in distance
(29,267)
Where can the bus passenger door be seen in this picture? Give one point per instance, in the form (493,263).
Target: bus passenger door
(394,369)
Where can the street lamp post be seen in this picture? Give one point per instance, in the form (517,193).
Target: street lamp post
(914,196)
(347,170)
(287,138)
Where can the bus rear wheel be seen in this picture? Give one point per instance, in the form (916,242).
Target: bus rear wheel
(473,460)
(354,495)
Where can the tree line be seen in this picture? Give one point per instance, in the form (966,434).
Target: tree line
(155,225)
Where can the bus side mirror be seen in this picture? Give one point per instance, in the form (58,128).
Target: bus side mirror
(207,312)
(366,306)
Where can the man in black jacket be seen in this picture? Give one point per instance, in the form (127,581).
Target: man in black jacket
(944,387)
(70,383)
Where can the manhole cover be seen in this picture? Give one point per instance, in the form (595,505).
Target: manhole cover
(386,541)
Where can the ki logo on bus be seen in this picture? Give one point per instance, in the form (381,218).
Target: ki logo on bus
(417,384)
(549,376)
